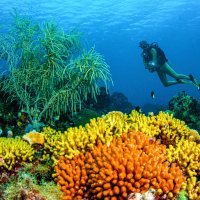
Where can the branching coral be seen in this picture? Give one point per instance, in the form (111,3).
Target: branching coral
(187,155)
(132,163)
(170,131)
(76,140)
(44,77)
(162,126)
(193,188)
(14,152)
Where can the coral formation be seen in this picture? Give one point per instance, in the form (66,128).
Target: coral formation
(76,146)
(187,155)
(186,108)
(183,105)
(14,152)
(192,187)
(34,137)
(162,126)
(83,117)
(76,140)
(26,187)
(52,88)
(131,163)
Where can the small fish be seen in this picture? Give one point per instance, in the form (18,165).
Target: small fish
(56,118)
(1,132)
(152,94)
(137,108)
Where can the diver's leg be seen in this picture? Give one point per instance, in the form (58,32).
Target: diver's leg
(180,77)
(169,71)
(163,79)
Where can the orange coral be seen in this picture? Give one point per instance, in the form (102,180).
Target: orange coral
(34,138)
(132,163)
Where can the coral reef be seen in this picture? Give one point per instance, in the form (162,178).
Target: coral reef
(84,116)
(34,137)
(75,140)
(186,108)
(182,105)
(118,154)
(187,155)
(131,163)
(14,153)
(119,102)
(52,88)
(162,126)
(26,187)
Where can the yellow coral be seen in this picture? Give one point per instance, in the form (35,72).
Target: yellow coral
(78,139)
(164,126)
(34,138)
(75,140)
(193,188)
(144,124)
(172,132)
(14,152)
(187,154)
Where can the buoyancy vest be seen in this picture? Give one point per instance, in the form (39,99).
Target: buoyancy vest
(147,56)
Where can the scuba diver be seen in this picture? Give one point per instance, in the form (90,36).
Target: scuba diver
(155,61)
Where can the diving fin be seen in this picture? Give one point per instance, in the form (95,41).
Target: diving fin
(193,80)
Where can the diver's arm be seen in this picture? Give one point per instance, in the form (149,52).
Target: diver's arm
(152,65)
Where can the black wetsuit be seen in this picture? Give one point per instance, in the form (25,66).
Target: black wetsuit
(147,56)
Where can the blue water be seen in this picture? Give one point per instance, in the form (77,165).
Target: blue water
(115,27)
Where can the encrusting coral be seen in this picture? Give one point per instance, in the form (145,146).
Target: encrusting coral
(14,152)
(131,163)
(171,132)
(26,187)
(34,137)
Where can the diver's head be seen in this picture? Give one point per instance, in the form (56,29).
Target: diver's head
(143,44)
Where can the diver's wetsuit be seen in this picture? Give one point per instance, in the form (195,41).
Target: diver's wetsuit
(147,56)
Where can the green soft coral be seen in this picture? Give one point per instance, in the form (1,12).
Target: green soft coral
(49,71)
(183,195)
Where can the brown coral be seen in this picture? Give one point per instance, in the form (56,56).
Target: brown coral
(132,163)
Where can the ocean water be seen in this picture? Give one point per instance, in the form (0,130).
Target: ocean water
(115,27)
